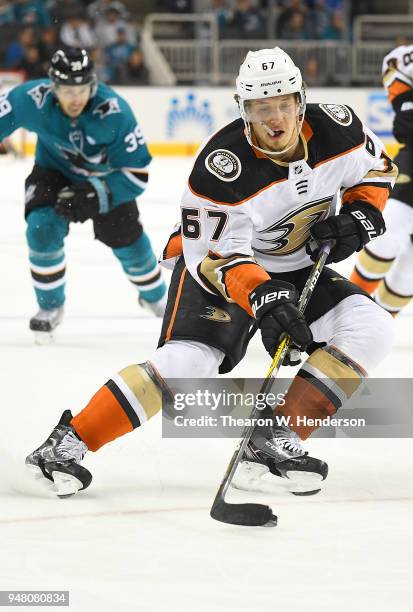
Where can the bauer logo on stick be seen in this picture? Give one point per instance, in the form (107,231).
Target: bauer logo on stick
(223,164)
(340,114)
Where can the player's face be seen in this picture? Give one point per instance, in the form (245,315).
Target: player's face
(73,98)
(274,121)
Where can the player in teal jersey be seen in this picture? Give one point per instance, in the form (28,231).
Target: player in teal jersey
(91,162)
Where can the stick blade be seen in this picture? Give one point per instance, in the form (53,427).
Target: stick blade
(248,515)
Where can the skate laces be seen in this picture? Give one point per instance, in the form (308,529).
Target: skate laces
(292,444)
(71,447)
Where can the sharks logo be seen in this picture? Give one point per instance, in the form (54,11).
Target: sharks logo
(39,94)
(290,233)
(82,163)
(108,107)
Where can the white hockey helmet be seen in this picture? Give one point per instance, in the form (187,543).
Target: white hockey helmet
(267,73)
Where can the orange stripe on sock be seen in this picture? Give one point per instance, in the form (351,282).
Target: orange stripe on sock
(102,420)
(368,285)
(305,400)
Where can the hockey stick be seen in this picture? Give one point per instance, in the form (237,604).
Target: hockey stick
(257,514)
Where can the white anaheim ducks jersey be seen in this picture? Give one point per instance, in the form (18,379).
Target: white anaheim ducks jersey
(398,81)
(241,209)
(397,71)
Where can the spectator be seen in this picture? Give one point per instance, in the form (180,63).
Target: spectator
(31,63)
(32,12)
(108,25)
(117,55)
(64,9)
(295,28)
(16,50)
(286,13)
(48,44)
(221,9)
(247,22)
(77,33)
(6,13)
(311,72)
(336,30)
(318,18)
(136,72)
(176,6)
(96,10)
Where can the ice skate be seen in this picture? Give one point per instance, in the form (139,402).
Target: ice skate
(156,308)
(58,460)
(44,323)
(278,451)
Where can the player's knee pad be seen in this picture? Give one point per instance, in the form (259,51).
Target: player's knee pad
(42,186)
(120,227)
(187,359)
(45,230)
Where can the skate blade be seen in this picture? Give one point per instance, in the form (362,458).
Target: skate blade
(65,485)
(248,476)
(43,338)
(303,483)
(35,473)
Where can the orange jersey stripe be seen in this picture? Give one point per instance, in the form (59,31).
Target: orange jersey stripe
(102,420)
(200,195)
(323,161)
(396,89)
(376,196)
(178,297)
(243,279)
(174,247)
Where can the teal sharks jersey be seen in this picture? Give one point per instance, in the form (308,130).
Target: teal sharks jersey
(104,142)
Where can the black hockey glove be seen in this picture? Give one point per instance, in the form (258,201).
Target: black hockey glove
(357,224)
(403,118)
(84,200)
(274,306)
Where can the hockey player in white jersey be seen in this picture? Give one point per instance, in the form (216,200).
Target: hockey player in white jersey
(385,268)
(262,192)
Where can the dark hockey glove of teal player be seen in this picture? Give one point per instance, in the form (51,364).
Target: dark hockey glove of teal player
(357,224)
(274,306)
(84,200)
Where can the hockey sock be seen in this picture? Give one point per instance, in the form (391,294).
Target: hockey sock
(142,269)
(125,402)
(45,235)
(388,299)
(369,270)
(322,385)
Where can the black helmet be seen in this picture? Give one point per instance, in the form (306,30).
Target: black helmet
(73,67)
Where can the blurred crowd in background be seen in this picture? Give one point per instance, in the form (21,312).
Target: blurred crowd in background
(31,30)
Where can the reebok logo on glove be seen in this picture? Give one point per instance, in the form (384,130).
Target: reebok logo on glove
(273,296)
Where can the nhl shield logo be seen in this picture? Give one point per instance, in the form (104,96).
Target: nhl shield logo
(223,164)
(338,113)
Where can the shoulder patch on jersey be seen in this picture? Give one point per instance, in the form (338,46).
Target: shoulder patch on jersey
(338,113)
(224,164)
(107,107)
(39,94)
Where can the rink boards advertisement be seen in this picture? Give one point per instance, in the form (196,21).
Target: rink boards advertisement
(176,120)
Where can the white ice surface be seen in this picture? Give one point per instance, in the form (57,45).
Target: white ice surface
(140,538)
